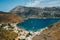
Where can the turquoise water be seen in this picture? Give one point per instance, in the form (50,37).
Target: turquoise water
(34,24)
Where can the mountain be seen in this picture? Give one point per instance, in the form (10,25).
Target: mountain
(27,12)
(9,18)
(51,33)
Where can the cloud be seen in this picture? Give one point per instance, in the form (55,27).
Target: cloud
(33,4)
(43,3)
(53,3)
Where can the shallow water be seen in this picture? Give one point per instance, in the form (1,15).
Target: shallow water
(34,24)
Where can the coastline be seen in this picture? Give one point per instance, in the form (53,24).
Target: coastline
(33,33)
(22,33)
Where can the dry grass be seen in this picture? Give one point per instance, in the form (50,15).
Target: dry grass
(52,33)
(9,18)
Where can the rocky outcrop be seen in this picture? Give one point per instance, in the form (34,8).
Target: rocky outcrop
(7,34)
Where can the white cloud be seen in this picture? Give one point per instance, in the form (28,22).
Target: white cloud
(53,3)
(43,3)
(33,4)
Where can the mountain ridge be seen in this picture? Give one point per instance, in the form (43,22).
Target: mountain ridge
(27,12)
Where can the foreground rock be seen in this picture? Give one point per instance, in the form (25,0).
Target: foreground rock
(7,34)
(52,33)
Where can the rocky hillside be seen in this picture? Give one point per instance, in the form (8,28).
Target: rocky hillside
(9,18)
(7,34)
(26,12)
(52,33)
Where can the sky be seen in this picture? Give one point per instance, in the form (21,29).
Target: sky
(7,5)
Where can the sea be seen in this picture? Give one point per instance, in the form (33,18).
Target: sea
(35,24)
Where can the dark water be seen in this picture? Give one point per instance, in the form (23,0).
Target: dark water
(34,24)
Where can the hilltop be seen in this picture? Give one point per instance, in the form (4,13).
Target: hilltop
(9,18)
